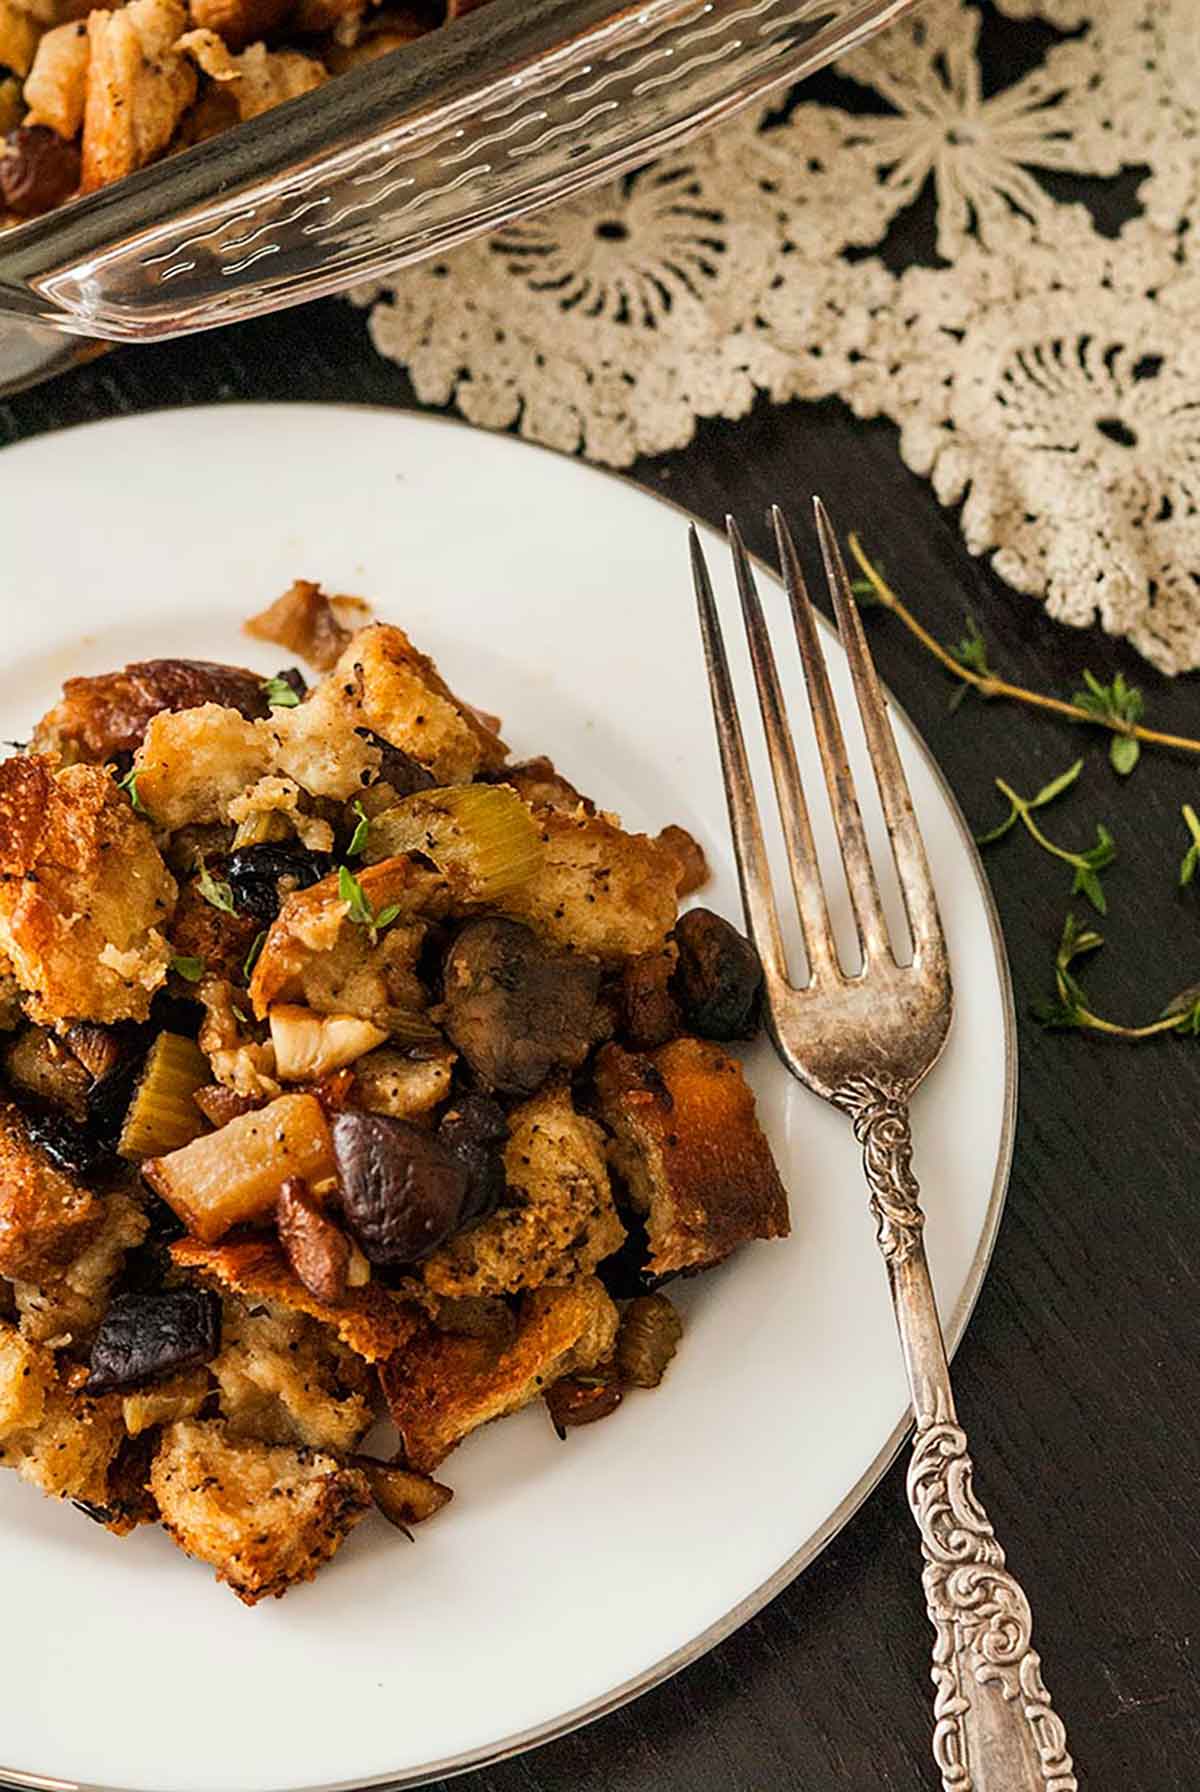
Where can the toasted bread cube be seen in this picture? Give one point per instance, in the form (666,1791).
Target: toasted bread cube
(98,717)
(61,1441)
(239,22)
(315,954)
(442,1387)
(690,1148)
(259,78)
(84,894)
(371,1321)
(265,1517)
(232,1176)
(66,1307)
(160,1403)
(138,87)
(284,1379)
(599,890)
(55,90)
(192,763)
(407,702)
(304,620)
(26,1377)
(46,1219)
(562,1222)
(19,34)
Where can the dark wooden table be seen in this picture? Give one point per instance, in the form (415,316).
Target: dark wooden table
(1078,1375)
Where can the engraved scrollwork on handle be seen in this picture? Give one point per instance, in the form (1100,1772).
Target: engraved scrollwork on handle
(880,1118)
(982,1650)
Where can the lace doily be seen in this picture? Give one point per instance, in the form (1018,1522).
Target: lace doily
(1041,359)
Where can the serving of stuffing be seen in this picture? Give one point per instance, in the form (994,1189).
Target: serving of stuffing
(349,1069)
(89,93)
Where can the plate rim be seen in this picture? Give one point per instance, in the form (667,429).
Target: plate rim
(519,1742)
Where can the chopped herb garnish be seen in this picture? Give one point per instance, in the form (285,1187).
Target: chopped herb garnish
(253,954)
(190,969)
(279,693)
(218,894)
(358,840)
(129,785)
(360,910)
(972,653)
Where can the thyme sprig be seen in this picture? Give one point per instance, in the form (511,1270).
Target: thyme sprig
(1086,865)
(1070,1008)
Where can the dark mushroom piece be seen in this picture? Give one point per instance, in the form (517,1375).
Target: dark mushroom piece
(718,979)
(515,1008)
(146,1337)
(474,1131)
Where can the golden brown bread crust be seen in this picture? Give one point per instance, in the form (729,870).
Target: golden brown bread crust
(599,890)
(284,1379)
(84,894)
(96,718)
(443,1387)
(561,1222)
(264,1516)
(66,1306)
(46,1219)
(688,1143)
(138,87)
(368,1320)
(407,701)
(303,620)
(62,1441)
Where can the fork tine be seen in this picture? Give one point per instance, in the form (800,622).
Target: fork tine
(789,791)
(908,848)
(745,823)
(839,780)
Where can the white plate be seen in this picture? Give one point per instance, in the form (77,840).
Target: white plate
(565,1577)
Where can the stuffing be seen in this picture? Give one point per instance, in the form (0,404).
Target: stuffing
(598,889)
(26,1377)
(370,1321)
(19,35)
(691,1151)
(691,866)
(163,1402)
(84,894)
(41,1064)
(219,940)
(557,1221)
(405,1085)
(138,87)
(62,1441)
(96,718)
(65,1308)
(283,798)
(389,31)
(258,78)
(55,91)
(283,1378)
(192,763)
(264,1517)
(304,620)
(46,1218)
(318,955)
(240,1063)
(443,1387)
(321,744)
(239,22)
(406,701)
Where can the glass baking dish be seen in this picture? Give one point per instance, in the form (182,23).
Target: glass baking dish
(519,104)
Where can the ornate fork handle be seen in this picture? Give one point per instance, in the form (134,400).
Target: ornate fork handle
(995,1729)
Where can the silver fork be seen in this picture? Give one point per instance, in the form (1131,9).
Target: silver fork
(864,1043)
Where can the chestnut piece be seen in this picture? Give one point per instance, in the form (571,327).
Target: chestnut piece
(718,979)
(38,170)
(403,1192)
